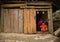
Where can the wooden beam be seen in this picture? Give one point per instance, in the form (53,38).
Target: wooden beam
(40,5)
(12,5)
(23,6)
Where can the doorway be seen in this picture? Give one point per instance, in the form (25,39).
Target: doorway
(40,15)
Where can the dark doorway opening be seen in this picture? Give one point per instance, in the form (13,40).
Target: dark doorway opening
(40,15)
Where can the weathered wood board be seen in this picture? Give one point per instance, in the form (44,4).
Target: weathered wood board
(11,12)
(15,18)
(33,20)
(20,17)
(29,21)
(26,19)
(12,20)
(6,20)
(21,20)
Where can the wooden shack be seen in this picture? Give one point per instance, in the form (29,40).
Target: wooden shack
(23,18)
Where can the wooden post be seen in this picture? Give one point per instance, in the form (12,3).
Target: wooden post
(50,20)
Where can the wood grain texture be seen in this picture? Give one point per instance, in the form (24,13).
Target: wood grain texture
(11,19)
(33,20)
(26,19)
(20,17)
(50,22)
(29,21)
(6,20)
(15,18)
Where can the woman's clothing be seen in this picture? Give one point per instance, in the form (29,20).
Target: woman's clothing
(44,27)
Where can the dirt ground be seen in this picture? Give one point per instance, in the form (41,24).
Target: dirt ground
(16,37)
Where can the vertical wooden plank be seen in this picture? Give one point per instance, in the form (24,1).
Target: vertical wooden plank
(33,20)
(26,20)
(50,20)
(20,20)
(4,15)
(11,20)
(30,21)
(34,17)
(15,18)
(6,21)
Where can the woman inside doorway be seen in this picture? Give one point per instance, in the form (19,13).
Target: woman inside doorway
(43,25)
(41,17)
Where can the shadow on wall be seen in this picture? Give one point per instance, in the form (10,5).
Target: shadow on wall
(1,29)
(0,20)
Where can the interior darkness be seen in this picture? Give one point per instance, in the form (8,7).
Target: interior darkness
(55,8)
(40,15)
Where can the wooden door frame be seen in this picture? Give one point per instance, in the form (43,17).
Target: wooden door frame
(50,22)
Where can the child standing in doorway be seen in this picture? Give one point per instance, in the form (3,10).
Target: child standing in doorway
(44,27)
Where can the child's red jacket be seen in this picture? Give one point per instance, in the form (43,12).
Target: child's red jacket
(44,27)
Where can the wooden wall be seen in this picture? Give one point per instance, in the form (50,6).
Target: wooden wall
(19,20)
(29,21)
(22,20)
(12,20)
